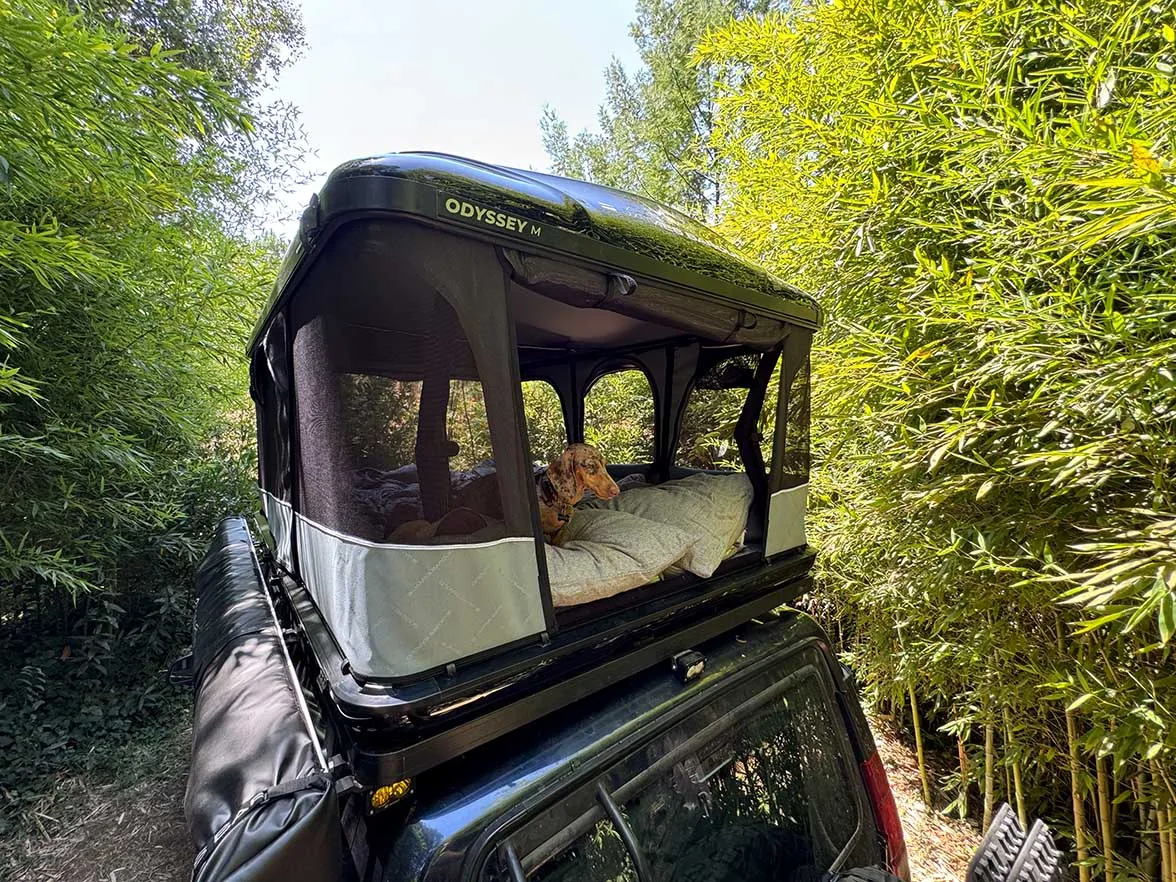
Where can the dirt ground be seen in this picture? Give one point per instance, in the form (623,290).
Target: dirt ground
(123,825)
(128,825)
(939,847)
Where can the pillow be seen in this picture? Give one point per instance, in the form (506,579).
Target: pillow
(605,552)
(711,508)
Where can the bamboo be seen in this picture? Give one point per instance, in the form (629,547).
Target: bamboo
(989,772)
(1167,870)
(1075,777)
(1165,843)
(1147,848)
(1018,785)
(1104,817)
(1116,786)
(919,746)
(1076,798)
(963,753)
(1148,852)
(1008,782)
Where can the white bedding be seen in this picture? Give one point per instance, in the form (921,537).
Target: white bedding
(605,552)
(687,525)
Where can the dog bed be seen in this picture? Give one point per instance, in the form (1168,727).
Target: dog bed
(615,545)
(712,509)
(604,552)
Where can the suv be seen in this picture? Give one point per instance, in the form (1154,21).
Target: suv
(399,677)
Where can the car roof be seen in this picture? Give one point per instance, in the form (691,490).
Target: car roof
(544,213)
(457,803)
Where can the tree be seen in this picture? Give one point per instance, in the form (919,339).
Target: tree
(126,294)
(243,45)
(656,123)
(120,298)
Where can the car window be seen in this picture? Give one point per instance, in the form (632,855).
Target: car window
(770,796)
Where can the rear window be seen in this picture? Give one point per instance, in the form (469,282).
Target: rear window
(766,791)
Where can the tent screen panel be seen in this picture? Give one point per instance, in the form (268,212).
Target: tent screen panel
(395,434)
(545,421)
(797,461)
(619,417)
(707,438)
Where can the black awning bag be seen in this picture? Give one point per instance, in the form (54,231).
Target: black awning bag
(260,804)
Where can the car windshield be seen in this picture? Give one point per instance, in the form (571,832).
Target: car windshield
(742,796)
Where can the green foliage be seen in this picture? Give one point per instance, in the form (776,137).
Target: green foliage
(125,297)
(243,45)
(981,194)
(656,122)
(545,421)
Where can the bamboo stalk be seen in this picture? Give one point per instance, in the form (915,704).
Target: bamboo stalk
(1165,843)
(1116,786)
(1148,853)
(1018,785)
(963,753)
(1167,871)
(1104,818)
(1008,783)
(919,746)
(1079,808)
(989,772)
(1147,848)
(1076,798)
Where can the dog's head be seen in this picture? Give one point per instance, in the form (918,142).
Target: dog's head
(581,467)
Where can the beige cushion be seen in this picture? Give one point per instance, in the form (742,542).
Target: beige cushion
(604,552)
(712,509)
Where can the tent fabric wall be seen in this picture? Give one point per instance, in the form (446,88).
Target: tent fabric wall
(400,610)
(279,518)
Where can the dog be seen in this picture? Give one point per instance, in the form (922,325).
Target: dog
(580,467)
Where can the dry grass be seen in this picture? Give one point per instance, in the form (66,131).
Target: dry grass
(123,822)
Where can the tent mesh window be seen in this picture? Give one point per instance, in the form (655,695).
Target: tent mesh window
(707,437)
(269,386)
(546,432)
(796,432)
(395,434)
(619,416)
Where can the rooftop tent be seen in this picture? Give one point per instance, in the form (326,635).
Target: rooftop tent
(395,472)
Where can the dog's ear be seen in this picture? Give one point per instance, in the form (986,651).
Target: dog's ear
(562,474)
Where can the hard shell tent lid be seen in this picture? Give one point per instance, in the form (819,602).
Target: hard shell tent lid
(546,214)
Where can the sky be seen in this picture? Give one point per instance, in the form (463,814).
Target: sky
(457,76)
